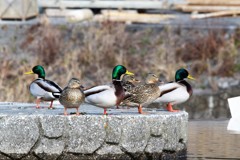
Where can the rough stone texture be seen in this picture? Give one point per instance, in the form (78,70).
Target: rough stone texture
(29,134)
(84,134)
(49,148)
(112,151)
(155,145)
(109,149)
(156,125)
(51,126)
(3,157)
(29,157)
(135,134)
(18,134)
(113,130)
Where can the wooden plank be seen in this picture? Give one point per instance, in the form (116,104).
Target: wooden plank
(133,17)
(138,4)
(215,14)
(201,8)
(213,2)
(18,9)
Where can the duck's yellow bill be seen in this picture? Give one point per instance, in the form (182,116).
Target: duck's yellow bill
(190,77)
(129,73)
(30,72)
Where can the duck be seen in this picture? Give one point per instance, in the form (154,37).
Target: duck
(72,96)
(176,92)
(106,96)
(129,82)
(143,94)
(42,88)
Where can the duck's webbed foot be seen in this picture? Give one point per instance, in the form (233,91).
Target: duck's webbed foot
(170,109)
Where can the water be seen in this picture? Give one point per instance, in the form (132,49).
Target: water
(211,140)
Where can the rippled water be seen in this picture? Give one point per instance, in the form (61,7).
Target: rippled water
(211,140)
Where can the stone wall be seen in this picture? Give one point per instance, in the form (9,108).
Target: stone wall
(161,135)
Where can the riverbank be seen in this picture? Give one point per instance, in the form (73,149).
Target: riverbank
(89,50)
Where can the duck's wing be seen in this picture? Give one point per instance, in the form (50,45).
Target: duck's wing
(54,86)
(102,96)
(44,88)
(168,87)
(96,90)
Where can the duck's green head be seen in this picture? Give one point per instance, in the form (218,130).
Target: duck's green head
(118,71)
(39,70)
(182,74)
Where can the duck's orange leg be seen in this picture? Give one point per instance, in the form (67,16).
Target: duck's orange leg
(170,109)
(77,113)
(65,111)
(140,110)
(51,107)
(105,111)
(37,103)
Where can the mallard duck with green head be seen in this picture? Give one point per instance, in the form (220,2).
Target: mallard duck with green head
(72,96)
(143,94)
(42,88)
(106,96)
(176,92)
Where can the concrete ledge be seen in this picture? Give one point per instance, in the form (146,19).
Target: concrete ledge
(39,134)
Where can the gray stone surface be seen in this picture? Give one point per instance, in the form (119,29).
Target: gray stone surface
(52,126)
(49,148)
(109,149)
(113,129)
(29,133)
(135,134)
(155,145)
(18,134)
(84,134)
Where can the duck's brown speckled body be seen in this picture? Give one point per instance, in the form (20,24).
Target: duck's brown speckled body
(129,82)
(72,96)
(143,94)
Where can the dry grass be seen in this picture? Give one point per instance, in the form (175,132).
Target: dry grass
(89,53)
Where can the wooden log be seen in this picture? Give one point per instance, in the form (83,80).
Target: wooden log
(213,2)
(202,8)
(215,14)
(133,17)
(136,4)
(71,14)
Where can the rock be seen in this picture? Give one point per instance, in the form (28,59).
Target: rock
(18,134)
(113,151)
(52,126)
(70,156)
(155,145)
(172,132)
(3,157)
(49,148)
(29,157)
(156,128)
(135,133)
(113,130)
(84,134)
(109,149)
(29,134)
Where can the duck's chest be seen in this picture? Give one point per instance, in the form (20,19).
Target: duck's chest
(119,92)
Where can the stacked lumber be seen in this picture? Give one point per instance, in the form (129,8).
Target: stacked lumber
(73,15)
(211,8)
(18,9)
(131,16)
